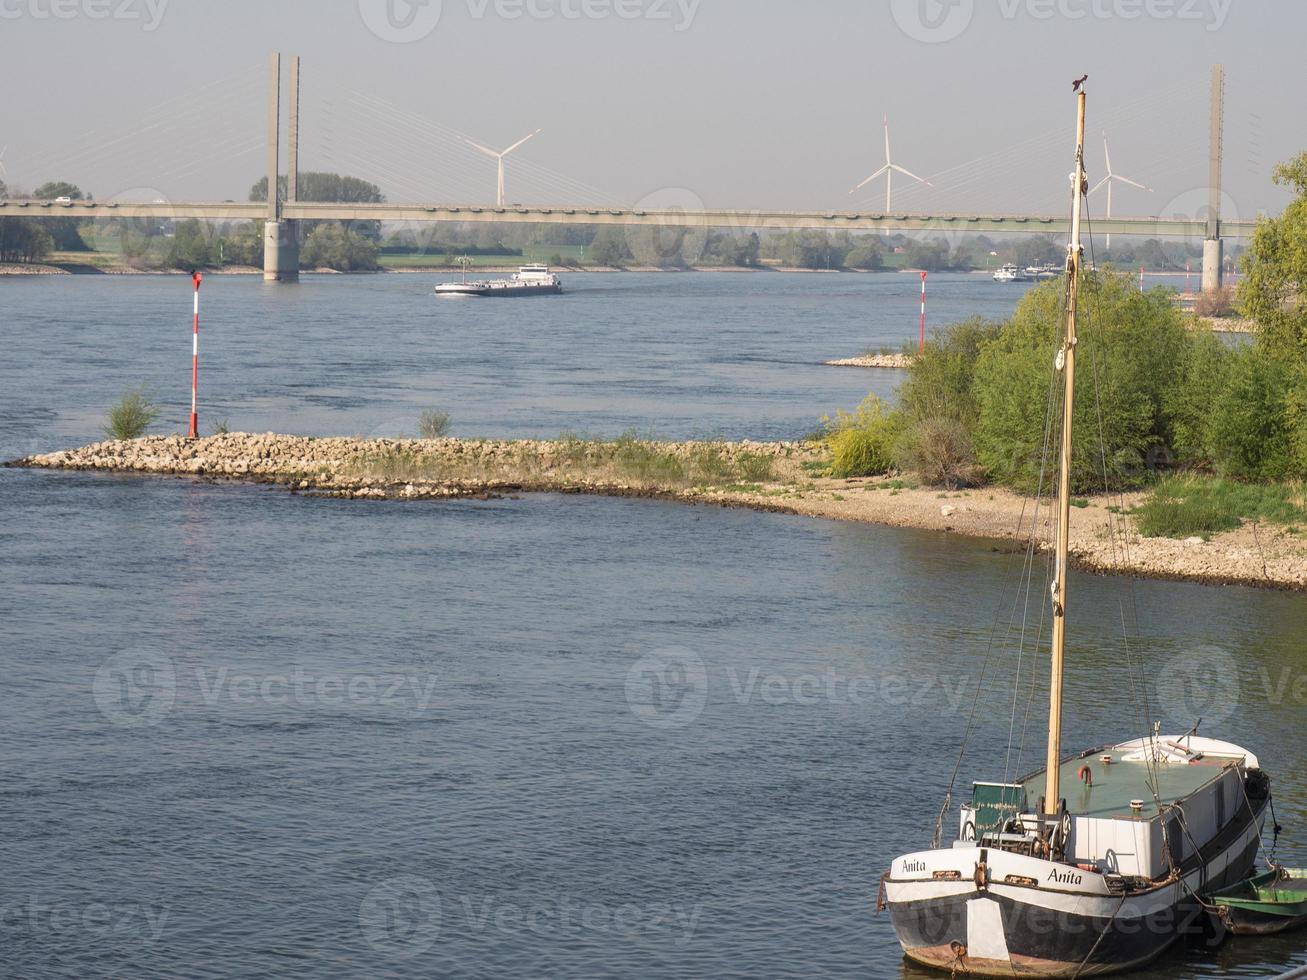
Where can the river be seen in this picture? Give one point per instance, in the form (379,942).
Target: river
(254,734)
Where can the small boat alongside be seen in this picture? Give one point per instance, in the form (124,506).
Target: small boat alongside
(1269,903)
(530,280)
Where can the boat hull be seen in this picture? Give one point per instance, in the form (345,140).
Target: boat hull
(1002,930)
(457,289)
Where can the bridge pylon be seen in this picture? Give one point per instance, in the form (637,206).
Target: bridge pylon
(281,246)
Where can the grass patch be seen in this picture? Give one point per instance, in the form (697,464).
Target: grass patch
(1190,506)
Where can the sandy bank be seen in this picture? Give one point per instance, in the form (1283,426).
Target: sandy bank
(773,476)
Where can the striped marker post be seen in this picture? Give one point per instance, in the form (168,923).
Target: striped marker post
(922,348)
(194,432)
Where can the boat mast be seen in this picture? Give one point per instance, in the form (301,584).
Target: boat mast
(1066,360)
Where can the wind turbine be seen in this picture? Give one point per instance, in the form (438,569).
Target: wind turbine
(499,155)
(1109,180)
(888,171)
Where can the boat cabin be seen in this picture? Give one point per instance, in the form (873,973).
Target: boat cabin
(1126,815)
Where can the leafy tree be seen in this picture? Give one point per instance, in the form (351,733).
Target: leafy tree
(332,246)
(63,230)
(931,256)
(243,245)
(24,240)
(1251,434)
(1272,292)
(190,248)
(1131,349)
(320,186)
(867,253)
(1039,250)
(609,247)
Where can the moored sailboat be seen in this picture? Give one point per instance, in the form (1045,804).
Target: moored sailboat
(1050,881)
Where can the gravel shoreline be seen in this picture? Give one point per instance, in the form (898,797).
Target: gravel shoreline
(1265,556)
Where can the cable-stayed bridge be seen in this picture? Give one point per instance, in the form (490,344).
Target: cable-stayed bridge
(282,212)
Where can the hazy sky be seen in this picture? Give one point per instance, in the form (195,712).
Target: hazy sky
(739,103)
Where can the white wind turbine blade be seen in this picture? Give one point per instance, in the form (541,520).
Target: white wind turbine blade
(878,173)
(519,143)
(1127,180)
(1099,186)
(1107,157)
(909,173)
(889,161)
(484,149)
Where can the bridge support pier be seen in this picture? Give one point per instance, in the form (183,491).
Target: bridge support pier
(1213,265)
(281,251)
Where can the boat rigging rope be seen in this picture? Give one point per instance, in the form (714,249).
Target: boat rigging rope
(1134,666)
(1028,576)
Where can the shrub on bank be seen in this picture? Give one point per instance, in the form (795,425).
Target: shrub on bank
(1130,349)
(862,442)
(433,424)
(133,414)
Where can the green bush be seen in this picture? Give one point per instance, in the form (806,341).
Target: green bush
(1250,431)
(433,424)
(1187,404)
(1131,346)
(862,442)
(940,452)
(133,414)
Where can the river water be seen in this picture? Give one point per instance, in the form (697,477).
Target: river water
(252,734)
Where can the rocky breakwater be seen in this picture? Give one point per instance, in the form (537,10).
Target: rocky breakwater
(442,468)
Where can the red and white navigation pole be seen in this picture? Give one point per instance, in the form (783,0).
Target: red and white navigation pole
(194,432)
(922,348)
